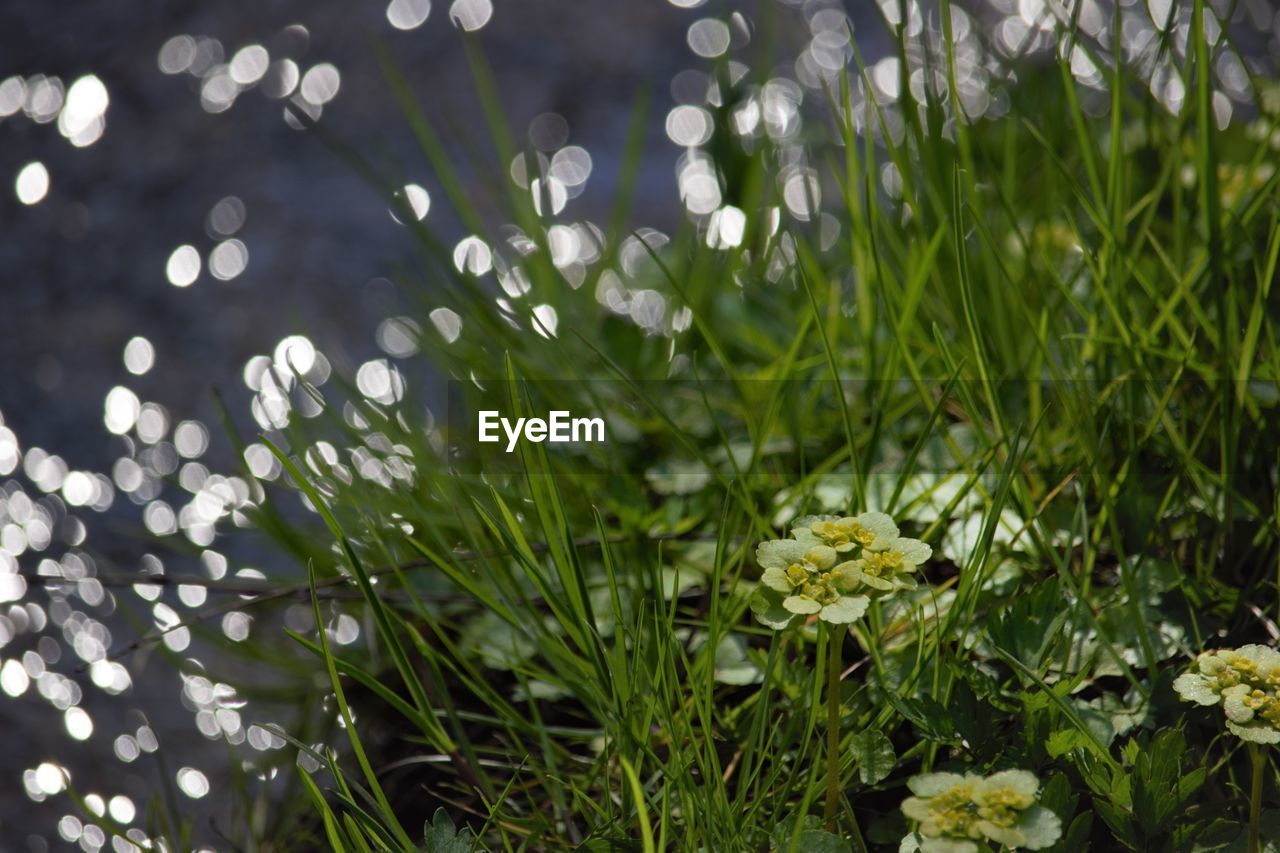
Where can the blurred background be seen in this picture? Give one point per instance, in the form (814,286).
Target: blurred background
(168,228)
(163,224)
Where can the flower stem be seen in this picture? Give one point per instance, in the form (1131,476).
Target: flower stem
(833,727)
(1258,761)
(835,637)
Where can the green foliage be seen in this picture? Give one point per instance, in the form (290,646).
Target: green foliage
(1036,347)
(807,836)
(874,754)
(441,836)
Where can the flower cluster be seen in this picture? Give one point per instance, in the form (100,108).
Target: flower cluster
(955,812)
(1246,682)
(833,566)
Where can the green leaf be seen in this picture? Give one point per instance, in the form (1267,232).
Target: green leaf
(767,607)
(1064,740)
(875,756)
(441,836)
(931,718)
(1232,837)
(732,666)
(811,838)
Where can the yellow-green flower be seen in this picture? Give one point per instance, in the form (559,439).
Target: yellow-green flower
(1245,682)
(868,530)
(956,811)
(808,576)
(889,566)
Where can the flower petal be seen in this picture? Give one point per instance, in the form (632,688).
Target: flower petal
(1194,687)
(847,575)
(1007,836)
(1022,782)
(915,808)
(947,845)
(1233,704)
(1040,827)
(803,526)
(796,604)
(1210,664)
(876,583)
(822,556)
(1258,654)
(932,784)
(776,578)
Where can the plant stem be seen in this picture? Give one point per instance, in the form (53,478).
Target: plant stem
(835,637)
(833,727)
(1258,760)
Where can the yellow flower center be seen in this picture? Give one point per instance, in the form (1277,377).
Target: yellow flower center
(821,589)
(797,574)
(882,563)
(841,532)
(956,812)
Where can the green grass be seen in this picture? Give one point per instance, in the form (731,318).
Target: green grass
(1052,357)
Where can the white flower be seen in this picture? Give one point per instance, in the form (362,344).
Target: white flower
(955,811)
(807,575)
(1246,682)
(889,566)
(868,530)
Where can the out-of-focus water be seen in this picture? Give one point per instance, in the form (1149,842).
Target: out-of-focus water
(162,225)
(164,230)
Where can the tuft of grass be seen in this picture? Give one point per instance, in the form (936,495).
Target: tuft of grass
(1044,341)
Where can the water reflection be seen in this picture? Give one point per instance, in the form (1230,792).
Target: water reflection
(32,183)
(408,14)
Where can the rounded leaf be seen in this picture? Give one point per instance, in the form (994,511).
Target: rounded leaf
(767,607)
(905,582)
(1255,732)
(846,609)
(881,525)
(876,760)
(780,553)
(913,551)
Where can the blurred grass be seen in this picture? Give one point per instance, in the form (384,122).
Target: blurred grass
(1050,352)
